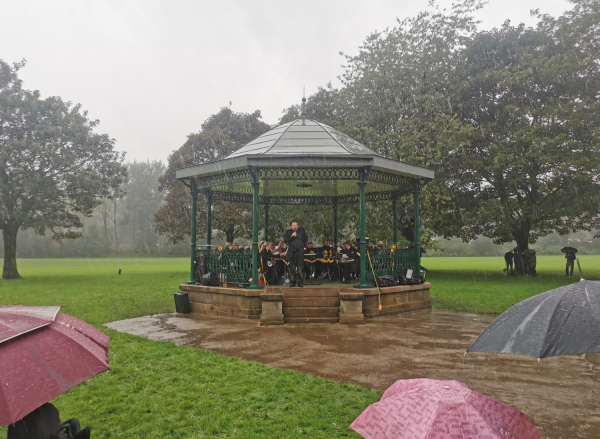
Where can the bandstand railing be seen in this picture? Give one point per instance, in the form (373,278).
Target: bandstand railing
(391,260)
(235,265)
(231,265)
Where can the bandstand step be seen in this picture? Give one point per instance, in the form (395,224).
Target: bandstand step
(311,319)
(309,292)
(310,301)
(311,311)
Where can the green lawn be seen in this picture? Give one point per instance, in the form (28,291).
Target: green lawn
(159,390)
(477,284)
(156,389)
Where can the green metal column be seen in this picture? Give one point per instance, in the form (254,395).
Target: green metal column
(417,231)
(194,192)
(208,196)
(363,245)
(266,237)
(335,206)
(395,208)
(255,188)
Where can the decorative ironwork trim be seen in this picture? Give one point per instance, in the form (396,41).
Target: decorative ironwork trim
(308,173)
(301,200)
(187,182)
(240,176)
(387,178)
(232,196)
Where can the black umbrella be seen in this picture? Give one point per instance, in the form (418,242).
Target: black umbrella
(562,321)
(568,250)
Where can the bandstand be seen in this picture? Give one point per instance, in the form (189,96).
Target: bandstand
(304,163)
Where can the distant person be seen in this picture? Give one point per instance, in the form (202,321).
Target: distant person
(517,258)
(570,263)
(508,257)
(348,258)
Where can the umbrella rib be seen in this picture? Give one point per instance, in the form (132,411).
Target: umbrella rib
(481,415)
(513,338)
(25,332)
(551,343)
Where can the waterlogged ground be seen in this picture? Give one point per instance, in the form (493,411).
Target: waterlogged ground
(222,396)
(560,394)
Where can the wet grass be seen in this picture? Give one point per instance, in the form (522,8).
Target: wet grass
(477,284)
(156,389)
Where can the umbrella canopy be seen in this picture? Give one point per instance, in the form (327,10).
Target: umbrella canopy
(424,408)
(17,320)
(39,365)
(562,321)
(568,250)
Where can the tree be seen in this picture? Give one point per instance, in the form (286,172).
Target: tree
(396,100)
(221,134)
(532,163)
(142,201)
(53,167)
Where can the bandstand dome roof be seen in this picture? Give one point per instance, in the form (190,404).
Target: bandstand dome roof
(304,162)
(303,137)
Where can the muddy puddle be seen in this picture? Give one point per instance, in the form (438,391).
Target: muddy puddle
(561,395)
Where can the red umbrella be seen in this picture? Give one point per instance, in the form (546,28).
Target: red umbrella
(37,365)
(17,320)
(427,409)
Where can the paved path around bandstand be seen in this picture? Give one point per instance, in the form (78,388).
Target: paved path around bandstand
(561,394)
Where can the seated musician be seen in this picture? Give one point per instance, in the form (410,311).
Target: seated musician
(325,264)
(309,260)
(266,266)
(356,266)
(278,258)
(347,258)
(273,258)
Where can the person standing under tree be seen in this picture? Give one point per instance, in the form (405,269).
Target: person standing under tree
(508,257)
(570,263)
(297,241)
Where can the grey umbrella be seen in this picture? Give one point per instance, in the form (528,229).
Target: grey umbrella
(562,321)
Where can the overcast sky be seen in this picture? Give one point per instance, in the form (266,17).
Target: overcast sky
(153,71)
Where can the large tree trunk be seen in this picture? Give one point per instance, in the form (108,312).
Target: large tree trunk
(10,253)
(522,239)
(114,219)
(229,233)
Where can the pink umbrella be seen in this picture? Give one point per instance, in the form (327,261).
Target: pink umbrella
(17,320)
(433,409)
(37,365)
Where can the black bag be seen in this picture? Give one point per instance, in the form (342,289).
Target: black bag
(401,280)
(384,281)
(182,303)
(210,279)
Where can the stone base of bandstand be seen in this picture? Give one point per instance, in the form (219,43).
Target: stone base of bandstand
(332,303)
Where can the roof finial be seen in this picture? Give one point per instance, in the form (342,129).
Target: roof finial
(303,113)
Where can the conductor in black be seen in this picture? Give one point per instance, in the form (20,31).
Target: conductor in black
(297,241)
